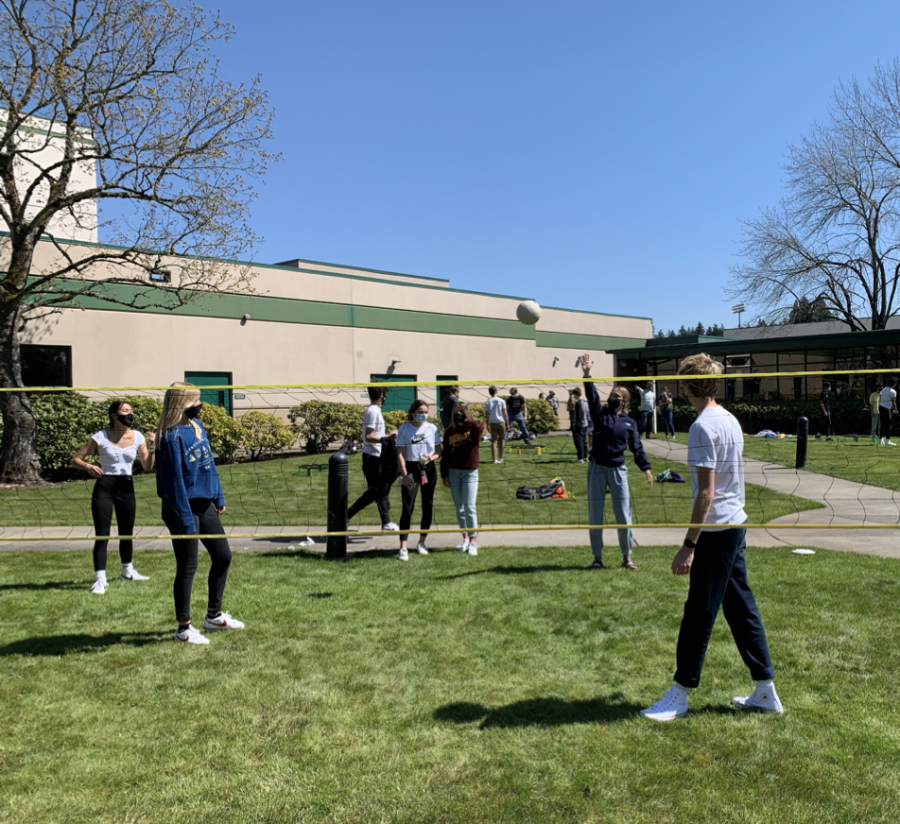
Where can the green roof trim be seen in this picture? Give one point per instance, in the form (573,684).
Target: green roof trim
(287,310)
(601,314)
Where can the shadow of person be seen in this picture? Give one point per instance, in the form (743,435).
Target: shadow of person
(542,712)
(56,645)
(45,586)
(513,570)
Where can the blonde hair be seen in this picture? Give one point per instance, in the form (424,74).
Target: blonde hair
(702,364)
(626,395)
(176,400)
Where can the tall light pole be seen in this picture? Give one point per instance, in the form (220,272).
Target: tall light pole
(736,310)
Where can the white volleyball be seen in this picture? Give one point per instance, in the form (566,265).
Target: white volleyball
(528,312)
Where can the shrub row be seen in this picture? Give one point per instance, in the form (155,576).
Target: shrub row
(65,420)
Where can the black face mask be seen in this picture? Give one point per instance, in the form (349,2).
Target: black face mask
(127,420)
(459,417)
(193,411)
(613,403)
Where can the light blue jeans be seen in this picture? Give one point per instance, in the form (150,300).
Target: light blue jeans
(616,478)
(464,489)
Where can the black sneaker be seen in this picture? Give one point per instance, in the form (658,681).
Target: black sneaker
(598,564)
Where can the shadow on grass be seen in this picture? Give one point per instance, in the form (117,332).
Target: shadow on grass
(542,712)
(514,570)
(557,712)
(56,645)
(45,586)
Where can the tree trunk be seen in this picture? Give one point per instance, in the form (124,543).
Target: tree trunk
(19,461)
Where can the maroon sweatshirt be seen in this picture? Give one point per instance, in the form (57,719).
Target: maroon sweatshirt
(461,447)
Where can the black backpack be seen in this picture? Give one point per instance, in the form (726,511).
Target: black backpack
(537,493)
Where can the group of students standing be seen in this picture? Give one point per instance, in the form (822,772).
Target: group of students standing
(712,554)
(188,483)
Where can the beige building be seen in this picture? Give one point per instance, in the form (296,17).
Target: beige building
(298,322)
(315,323)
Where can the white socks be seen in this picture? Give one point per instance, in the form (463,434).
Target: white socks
(100,574)
(127,569)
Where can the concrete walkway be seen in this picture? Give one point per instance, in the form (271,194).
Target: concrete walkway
(845,502)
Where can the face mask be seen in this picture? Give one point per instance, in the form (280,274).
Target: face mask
(459,417)
(614,403)
(421,417)
(126,419)
(193,411)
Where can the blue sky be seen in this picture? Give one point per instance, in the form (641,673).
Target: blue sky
(590,155)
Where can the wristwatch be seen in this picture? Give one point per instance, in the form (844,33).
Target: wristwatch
(689,543)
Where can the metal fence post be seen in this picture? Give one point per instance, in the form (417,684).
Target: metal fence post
(338,488)
(802,437)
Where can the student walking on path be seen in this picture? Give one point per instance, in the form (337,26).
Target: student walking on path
(118,447)
(379,462)
(498,423)
(648,406)
(614,432)
(459,472)
(667,409)
(886,406)
(192,501)
(874,401)
(712,555)
(825,408)
(418,447)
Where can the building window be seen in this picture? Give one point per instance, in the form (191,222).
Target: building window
(46,365)
(160,275)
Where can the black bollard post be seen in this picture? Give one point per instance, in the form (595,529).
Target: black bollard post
(802,437)
(338,485)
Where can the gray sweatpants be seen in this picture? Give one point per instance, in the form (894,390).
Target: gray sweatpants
(616,478)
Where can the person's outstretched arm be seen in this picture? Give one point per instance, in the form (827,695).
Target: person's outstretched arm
(590,389)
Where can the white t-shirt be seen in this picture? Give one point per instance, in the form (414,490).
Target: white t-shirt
(715,441)
(415,441)
(373,419)
(494,409)
(648,400)
(113,459)
(887,395)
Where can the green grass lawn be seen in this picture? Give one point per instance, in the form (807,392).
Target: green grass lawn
(502,688)
(853,460)
(280,492)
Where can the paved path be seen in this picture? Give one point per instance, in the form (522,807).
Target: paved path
(846,503)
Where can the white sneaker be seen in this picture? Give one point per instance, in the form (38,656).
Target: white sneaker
(404,555)
(464,546)
(500,461)
(191,635)
(763,698)
(421,548)
(99,586)
(473,550)
(306,542)
(881,442)
(890,443)
(222,621)
(672,705)
(390,527)
(133,575)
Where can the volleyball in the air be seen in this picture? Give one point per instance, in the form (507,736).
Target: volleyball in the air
(528,312)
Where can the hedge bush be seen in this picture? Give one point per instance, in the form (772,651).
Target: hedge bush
(265,434)
(540,417)
(848,417)
(319,423)
(64,421)
(226,436)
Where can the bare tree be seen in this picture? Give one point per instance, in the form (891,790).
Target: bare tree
(116,106)
(835,238)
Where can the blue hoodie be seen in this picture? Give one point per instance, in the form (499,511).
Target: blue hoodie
(185,469)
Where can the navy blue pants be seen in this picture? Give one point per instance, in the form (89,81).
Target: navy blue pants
(718,577)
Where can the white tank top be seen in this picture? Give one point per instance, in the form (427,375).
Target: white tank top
(113,459)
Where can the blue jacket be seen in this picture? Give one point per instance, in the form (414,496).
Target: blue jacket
(185,469)
(613,434)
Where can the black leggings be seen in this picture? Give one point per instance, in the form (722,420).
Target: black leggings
(206,521)
(885,422)
(113,492)
(409,494)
